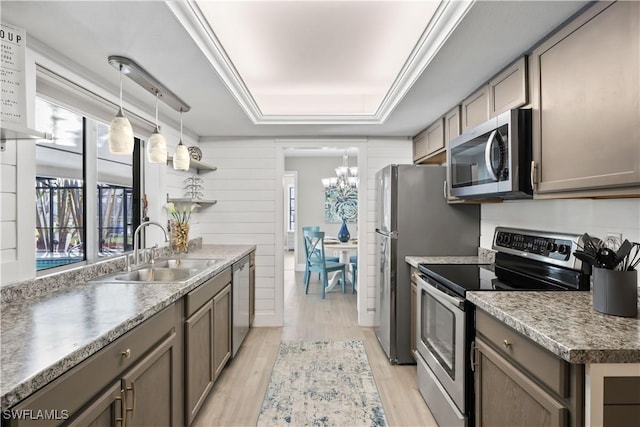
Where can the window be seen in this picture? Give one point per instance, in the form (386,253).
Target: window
(60,193)
(115,197)
(292,208)
(62,211)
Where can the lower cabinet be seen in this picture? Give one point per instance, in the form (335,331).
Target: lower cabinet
(221,329)
(527,403)
(207,341)
(517,382)
(136,380)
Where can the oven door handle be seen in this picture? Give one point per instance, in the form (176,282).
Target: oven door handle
(437,294)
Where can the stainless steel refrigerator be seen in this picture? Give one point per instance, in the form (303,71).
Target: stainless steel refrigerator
(413,219)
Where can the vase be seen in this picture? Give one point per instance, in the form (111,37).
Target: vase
(343,234)
(179,237)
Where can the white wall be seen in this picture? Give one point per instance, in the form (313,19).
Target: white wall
(248,187)
(596,217)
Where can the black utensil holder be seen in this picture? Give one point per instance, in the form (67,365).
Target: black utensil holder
(615,292)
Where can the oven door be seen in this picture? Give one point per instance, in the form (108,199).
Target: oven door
(441,338)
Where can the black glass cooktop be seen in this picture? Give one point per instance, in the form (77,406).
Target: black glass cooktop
(460,278)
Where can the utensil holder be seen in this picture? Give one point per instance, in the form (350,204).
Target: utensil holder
(615,292)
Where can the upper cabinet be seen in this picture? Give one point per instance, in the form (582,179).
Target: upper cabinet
(585,89)
(429,145)
(452,124)
(475,109)
(508,89)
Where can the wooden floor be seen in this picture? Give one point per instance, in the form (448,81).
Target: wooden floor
(237,395)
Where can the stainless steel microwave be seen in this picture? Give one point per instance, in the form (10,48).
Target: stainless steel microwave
(493,159)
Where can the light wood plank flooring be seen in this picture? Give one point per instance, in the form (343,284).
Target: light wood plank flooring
(237,395)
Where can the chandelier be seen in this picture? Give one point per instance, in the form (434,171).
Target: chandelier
(346,179)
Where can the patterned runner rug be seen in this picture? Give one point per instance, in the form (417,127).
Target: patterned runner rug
(322,383)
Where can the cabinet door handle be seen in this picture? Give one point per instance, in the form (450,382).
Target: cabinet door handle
(472,356)
(123,406)
(533,174)
(132,389)
(126,354)
(506,343)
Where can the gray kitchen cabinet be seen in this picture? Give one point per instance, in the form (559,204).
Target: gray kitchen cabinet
(452,124)
(198,357)
(508,89)
(429,145)
(123,382)
(151,384)
(543,389)
(207,322)
(475,108)
(621,401)
(585,88)
(222,328)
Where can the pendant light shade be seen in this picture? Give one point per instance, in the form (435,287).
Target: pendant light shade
(181,158)
(120,130)
(157,144)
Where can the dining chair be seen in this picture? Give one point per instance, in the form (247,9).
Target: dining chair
(316,262)
(306,255)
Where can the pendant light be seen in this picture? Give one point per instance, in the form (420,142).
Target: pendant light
(120,130)
(181,158)
(157,144)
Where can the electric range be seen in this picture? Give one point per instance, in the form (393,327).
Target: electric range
(525,260)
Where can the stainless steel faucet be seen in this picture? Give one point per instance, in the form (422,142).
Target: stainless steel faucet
(136,238)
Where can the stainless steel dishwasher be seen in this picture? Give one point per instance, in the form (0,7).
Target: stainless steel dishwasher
(240,292)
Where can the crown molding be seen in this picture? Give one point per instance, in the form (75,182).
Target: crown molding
(447,17)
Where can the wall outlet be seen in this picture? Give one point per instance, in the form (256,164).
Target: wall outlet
(614,240)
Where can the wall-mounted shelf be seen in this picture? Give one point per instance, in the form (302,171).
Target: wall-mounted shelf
(198,165)
(11,131)
(189,200)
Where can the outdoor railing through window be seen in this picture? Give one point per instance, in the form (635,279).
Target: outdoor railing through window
(59,221)
(115,221)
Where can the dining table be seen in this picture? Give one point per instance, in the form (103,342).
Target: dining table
(345,248)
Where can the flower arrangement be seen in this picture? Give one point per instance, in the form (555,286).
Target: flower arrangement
(181,216)
(179,231)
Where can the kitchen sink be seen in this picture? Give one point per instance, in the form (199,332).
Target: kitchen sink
(171,270)
(199,264)
(155,274)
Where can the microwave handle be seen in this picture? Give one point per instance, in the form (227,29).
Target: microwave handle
(487,155)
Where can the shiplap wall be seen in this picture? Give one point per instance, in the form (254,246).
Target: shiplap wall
(8,210)
(246,187)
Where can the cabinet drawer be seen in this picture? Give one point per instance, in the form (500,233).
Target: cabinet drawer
(73,389)
(205,292)
(542,364)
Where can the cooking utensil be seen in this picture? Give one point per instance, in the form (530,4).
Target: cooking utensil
(585,257)
(606,258)
(623,251)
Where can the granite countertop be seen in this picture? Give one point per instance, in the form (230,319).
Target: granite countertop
(415,261)
(566,324)
(45,336)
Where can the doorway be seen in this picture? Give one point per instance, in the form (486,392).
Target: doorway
(310,161)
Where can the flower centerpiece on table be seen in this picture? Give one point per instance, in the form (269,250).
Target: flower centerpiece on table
(179,228)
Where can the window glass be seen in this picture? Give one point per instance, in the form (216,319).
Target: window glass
(115,197)
(59,233)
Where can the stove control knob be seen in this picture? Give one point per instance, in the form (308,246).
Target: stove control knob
(551,246)
(563,249)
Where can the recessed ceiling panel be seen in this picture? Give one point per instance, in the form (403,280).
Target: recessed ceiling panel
(318,57)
